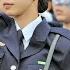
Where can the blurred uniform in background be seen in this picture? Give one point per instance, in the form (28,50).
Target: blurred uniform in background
(48,10)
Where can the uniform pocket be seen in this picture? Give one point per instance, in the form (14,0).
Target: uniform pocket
(35,67)
(1,53)
(1,56)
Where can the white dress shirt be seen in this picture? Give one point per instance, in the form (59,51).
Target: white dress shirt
(28,30)
(47,15)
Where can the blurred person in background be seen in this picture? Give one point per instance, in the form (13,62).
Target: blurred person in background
(54,22)
(47,10)
(61,56)
(61,11)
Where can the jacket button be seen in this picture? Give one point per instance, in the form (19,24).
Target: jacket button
(13,67)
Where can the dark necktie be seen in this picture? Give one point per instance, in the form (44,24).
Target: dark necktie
(20,36)
(21,45)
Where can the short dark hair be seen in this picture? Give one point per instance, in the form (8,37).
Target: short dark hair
(42,5)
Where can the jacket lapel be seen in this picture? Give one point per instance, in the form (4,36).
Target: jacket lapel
(38,39)
(9,37)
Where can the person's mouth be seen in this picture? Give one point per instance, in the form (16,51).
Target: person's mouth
(7,5)
(59,12)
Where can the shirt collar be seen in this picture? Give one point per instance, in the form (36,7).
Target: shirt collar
(47,15)
(29,29)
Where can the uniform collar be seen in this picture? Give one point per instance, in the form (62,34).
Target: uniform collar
(47,15)
(62,31)
(38,39)
(29,29)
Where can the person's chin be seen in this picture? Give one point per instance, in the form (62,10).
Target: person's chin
(60,18)
(10,13)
